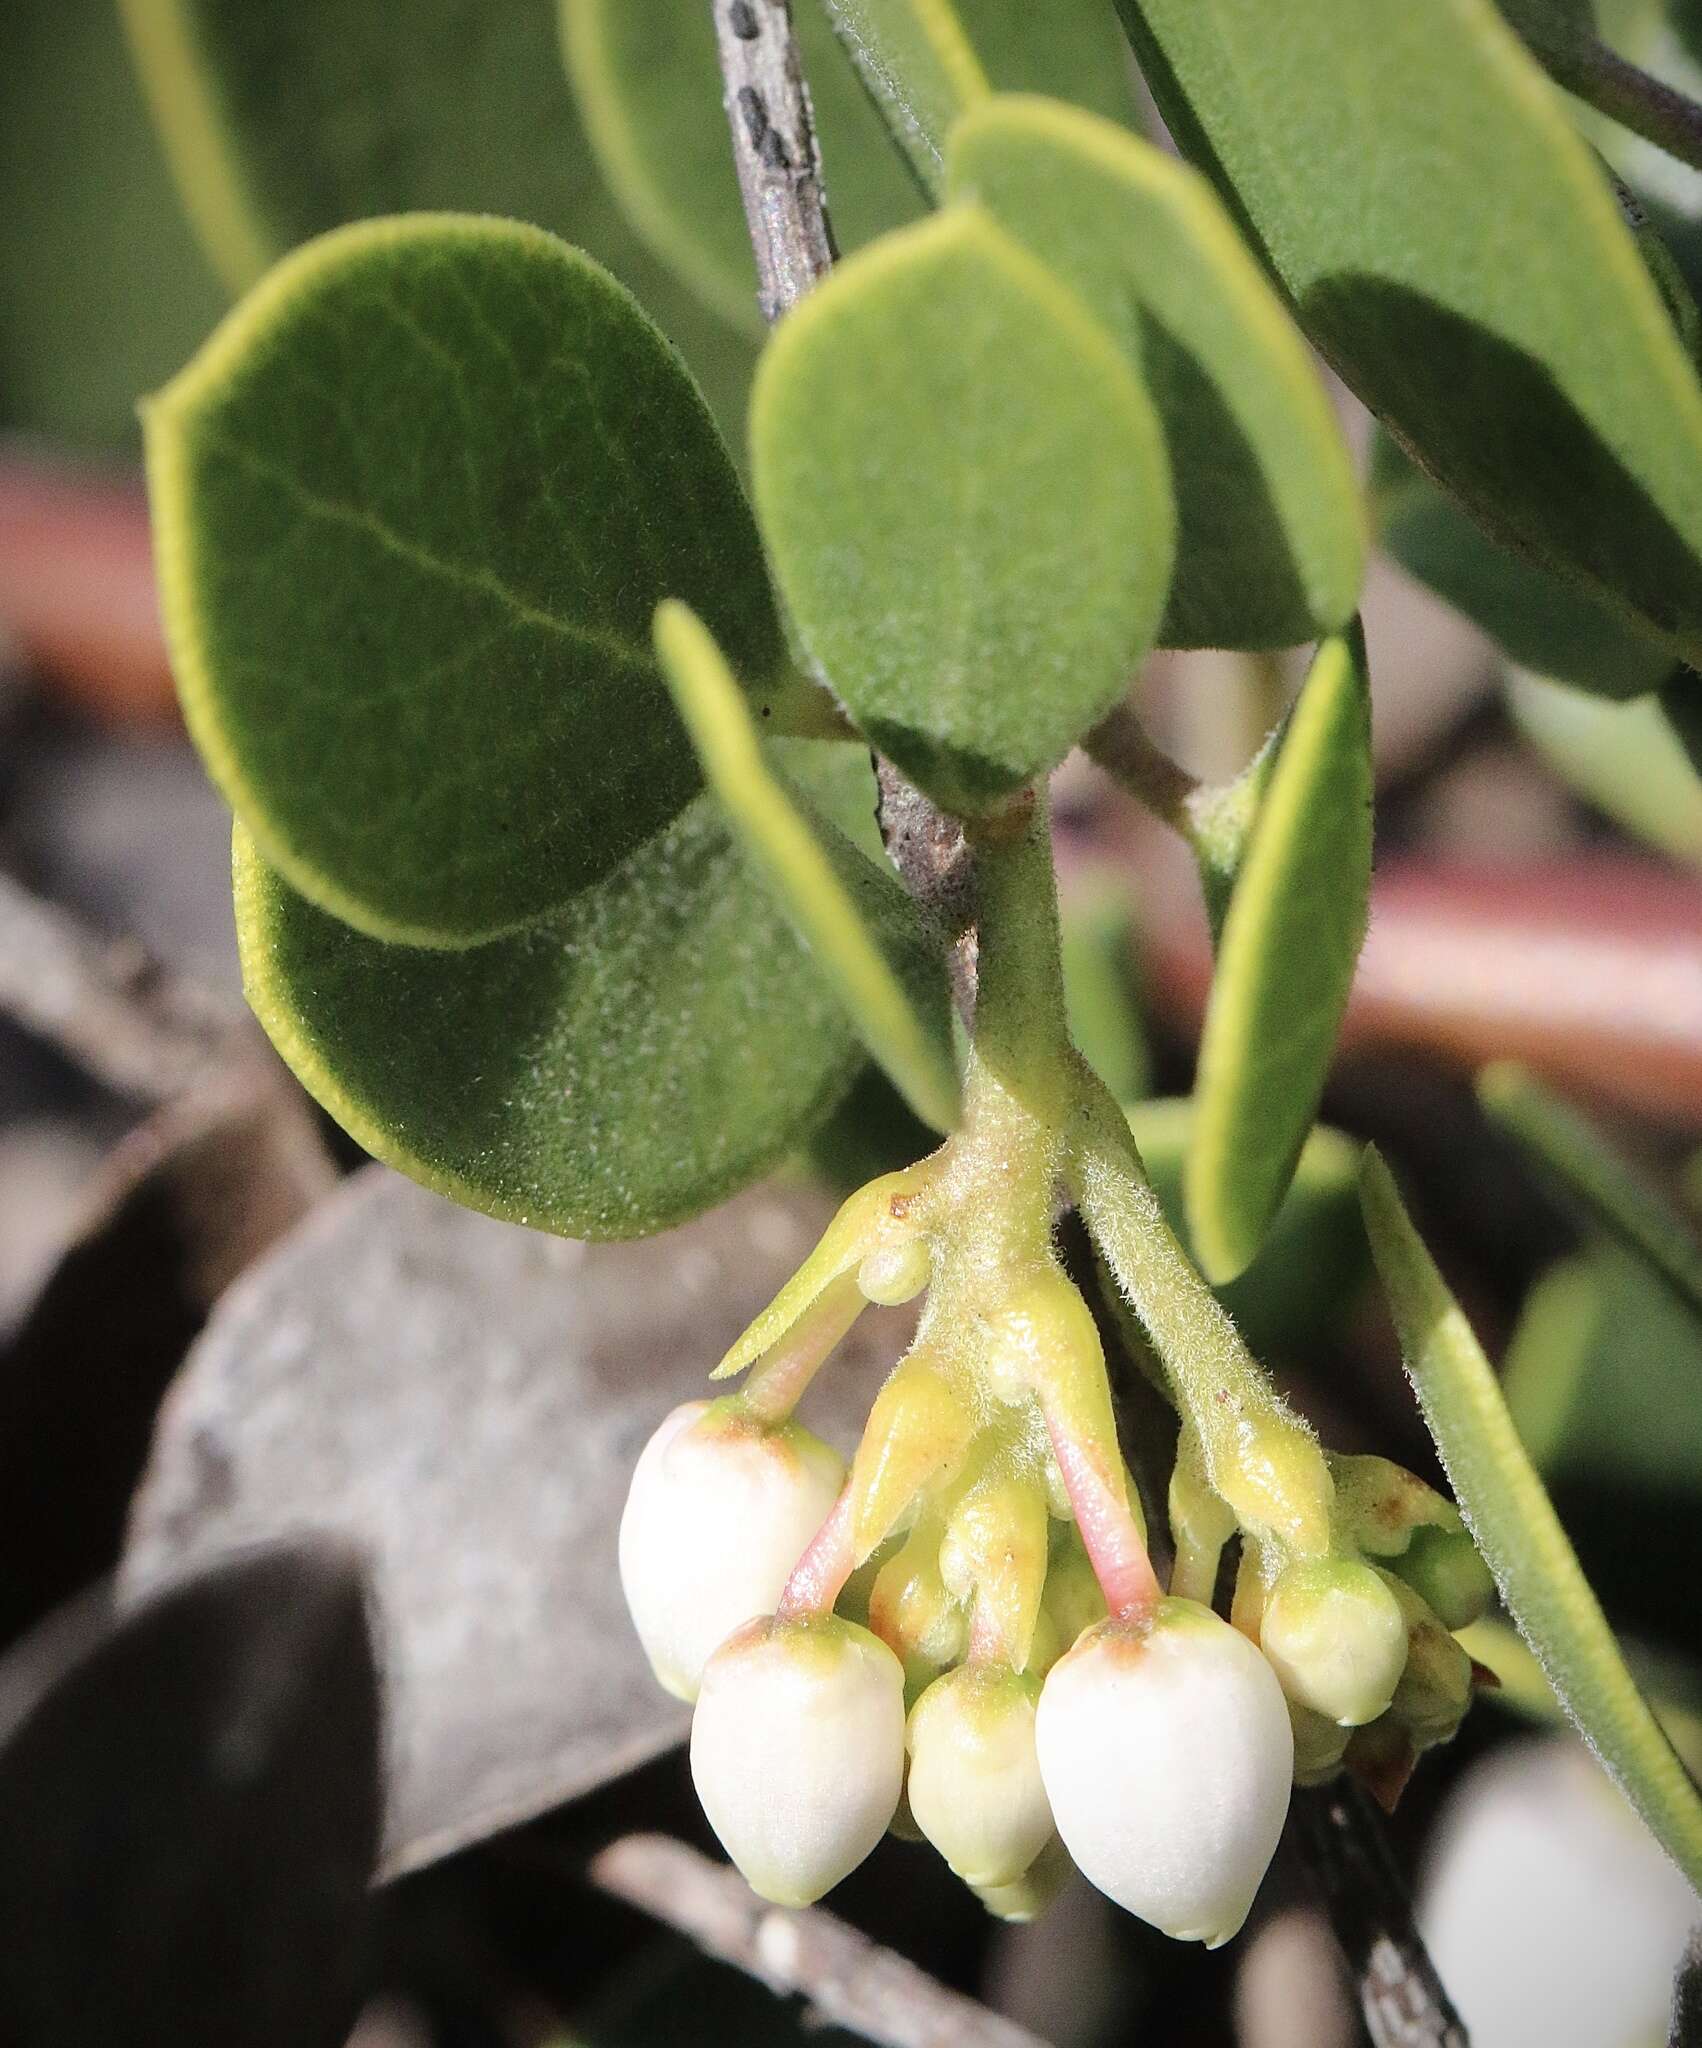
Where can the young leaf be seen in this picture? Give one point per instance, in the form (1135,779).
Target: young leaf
(607,1072)
(648,84)
(1284,964)
(1450,243)
(861,928)
(923,62)
(1515,1526)
(1587,1168)
(1220,827)
(1539,619)
(1270,535)
(414,505)
(964,493)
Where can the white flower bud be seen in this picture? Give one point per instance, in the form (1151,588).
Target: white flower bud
(1336,1638)
(720,1509)
(974,1784)
(797,1751)
(1167,1755)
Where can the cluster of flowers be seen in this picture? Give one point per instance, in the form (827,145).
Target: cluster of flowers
(963,1637)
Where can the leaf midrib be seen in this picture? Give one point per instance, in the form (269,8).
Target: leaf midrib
(465,576)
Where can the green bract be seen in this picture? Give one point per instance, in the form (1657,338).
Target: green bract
(1452,246)
(1284,964)
(609,1071)
(964,494)
(1270,536)
(415,503)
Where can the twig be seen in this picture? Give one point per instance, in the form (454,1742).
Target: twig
(779,169)
(774,149)
(1126,751)
(122,1017)
(1400,1993)
(1601,78)
(846,1979)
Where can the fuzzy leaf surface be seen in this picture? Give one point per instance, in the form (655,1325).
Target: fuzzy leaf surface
(414,504)
(1270,535)
(1451,244)
(965,497)
(1285,961)
(606,1072)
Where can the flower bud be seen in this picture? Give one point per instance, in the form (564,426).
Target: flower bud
(1072,1598)
(1166,1752)
(797,1751)
(720,1509)
(893,1274)
(1443,1568)
(994,1558)
(913,1613)
(974,1784)
(1336,1638)
(1436,1686)
(1028,1896)
(1319,1745)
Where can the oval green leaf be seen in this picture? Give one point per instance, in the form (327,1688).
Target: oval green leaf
(1515,1526)
(648,84)
(1451,244)
(607,1072)
(862,930)
(1270,534)
(414,505)
(1284,964)
(964,493)
(923,62)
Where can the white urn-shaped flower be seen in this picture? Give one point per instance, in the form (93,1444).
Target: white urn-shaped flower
(720,1509)
(797,1751)
(1166,1753)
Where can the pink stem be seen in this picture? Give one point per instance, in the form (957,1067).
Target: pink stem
(819,1576)
(778,1384)
(1109,1532)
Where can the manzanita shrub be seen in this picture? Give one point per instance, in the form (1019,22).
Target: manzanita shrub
(548,716)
